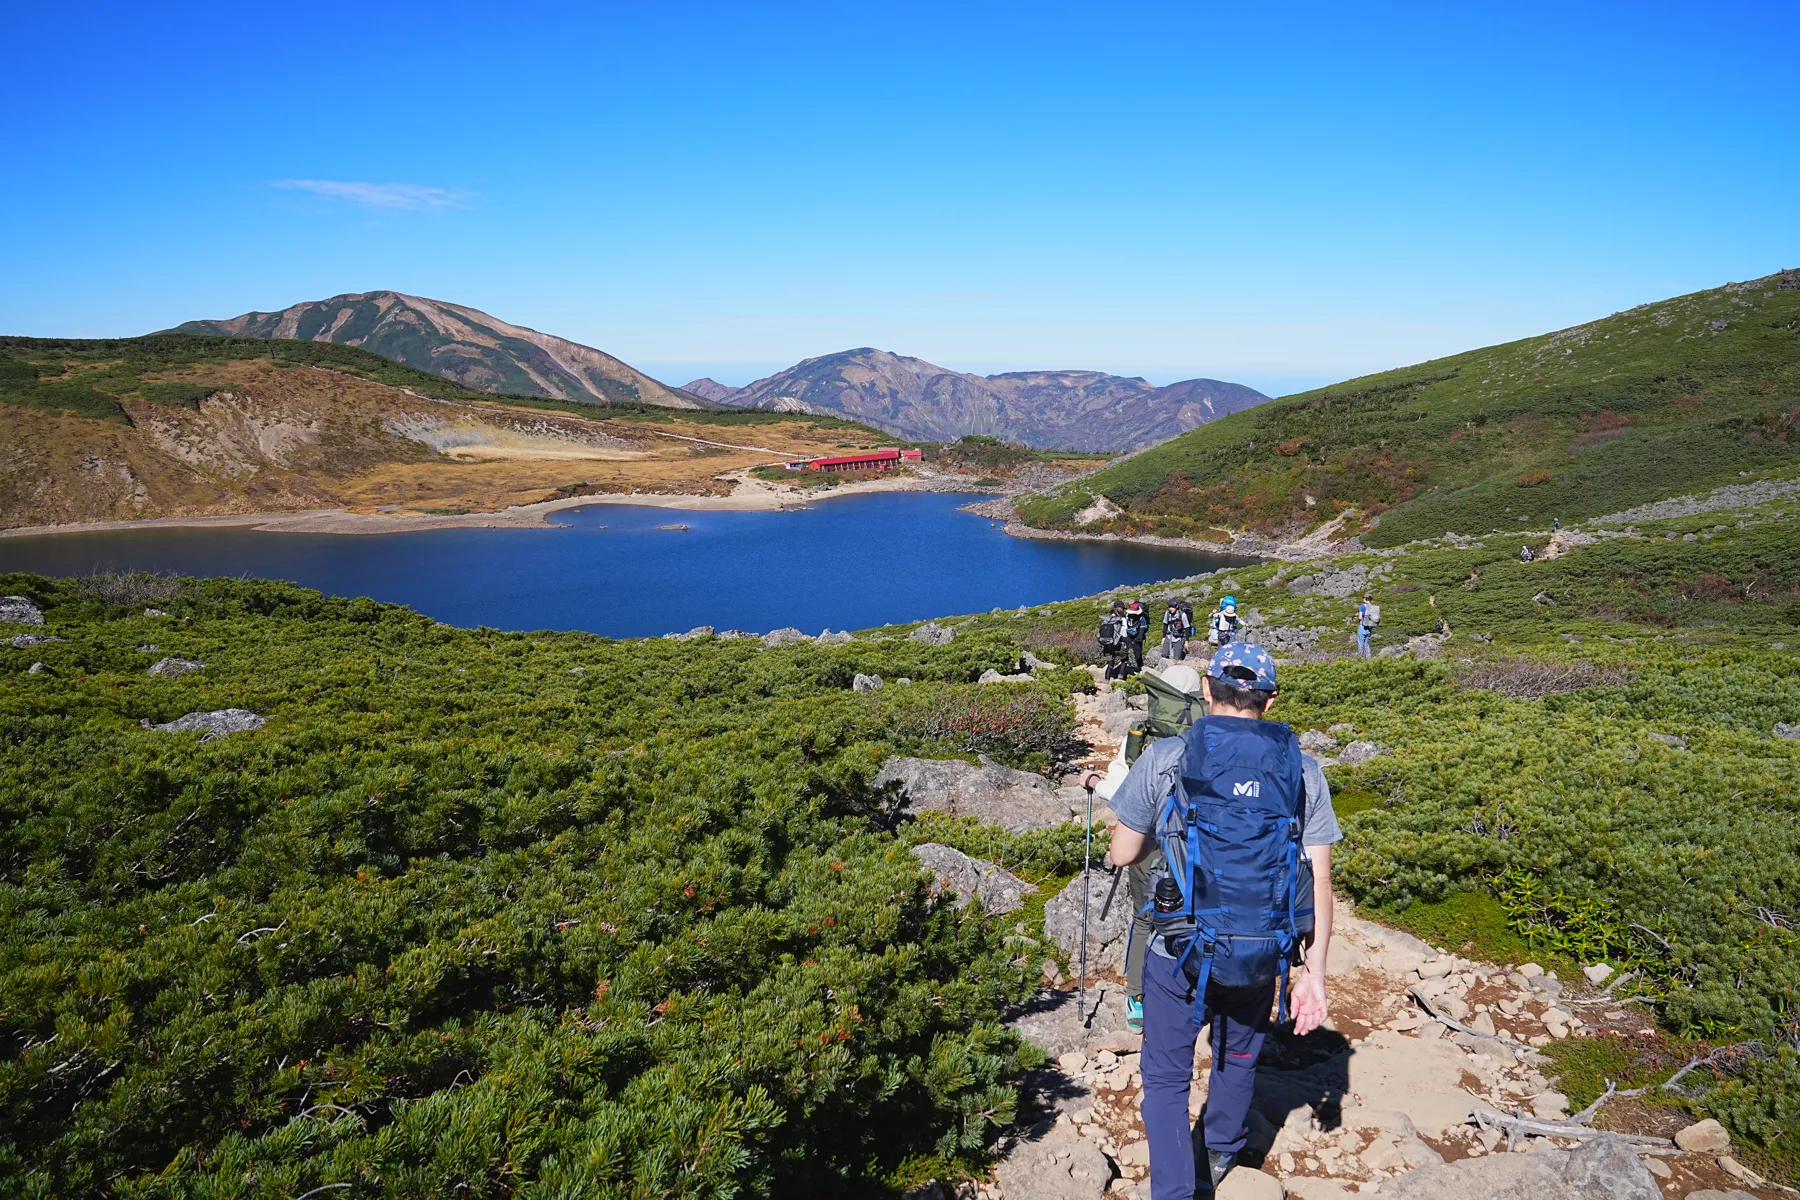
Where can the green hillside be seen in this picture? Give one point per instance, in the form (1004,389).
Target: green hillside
(1663,399)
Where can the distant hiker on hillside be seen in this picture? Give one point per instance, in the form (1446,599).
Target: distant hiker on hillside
(1178,627)
(1368,616)
(1525,554)
(1137,628)
(1555,524)
(1175,702)
(1222,627)
(1233,906)
(1114,644)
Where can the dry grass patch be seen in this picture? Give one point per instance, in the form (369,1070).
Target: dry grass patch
(1529,679)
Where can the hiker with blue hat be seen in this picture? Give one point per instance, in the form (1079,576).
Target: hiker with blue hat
(1240,908)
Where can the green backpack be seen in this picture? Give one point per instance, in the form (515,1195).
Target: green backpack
(1172,713)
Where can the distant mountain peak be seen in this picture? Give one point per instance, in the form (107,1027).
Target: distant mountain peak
(1071,409)
(457,342)
(709,389)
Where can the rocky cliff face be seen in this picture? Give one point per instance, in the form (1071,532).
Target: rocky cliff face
(1071,410)
(461,343)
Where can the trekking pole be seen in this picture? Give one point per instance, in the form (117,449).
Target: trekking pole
(1087,858)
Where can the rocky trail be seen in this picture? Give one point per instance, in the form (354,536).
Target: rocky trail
(1426,1084)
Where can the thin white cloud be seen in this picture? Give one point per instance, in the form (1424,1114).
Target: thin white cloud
(381,195)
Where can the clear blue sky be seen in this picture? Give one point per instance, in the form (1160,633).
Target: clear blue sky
(1282,195)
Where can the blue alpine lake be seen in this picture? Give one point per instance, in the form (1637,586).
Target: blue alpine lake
(847,563)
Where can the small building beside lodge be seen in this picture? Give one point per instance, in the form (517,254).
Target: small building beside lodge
(868,460)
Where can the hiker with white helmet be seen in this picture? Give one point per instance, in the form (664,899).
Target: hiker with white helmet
(1368,616)
(1178,627)
(1245,826)
(1222,629)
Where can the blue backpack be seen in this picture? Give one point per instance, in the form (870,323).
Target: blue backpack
(1230,836)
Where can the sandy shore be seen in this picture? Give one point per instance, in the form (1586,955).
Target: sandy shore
(750,495)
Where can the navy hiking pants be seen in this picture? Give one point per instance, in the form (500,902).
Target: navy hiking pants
(1238,1020)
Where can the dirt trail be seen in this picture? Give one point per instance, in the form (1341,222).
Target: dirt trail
(1386,1089)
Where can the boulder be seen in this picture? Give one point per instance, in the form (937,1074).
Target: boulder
(1000,891)
(992,794)
(1493,1177)
(1247,1183)
(215,724)
(1704,1137)
(1105,938)
(17,610)
(692,635)
(1597,973)
(1607,1168)
(784,637)
(1711,1194)
(1339,585)
(867,683)
(1315,741)
(1357,753)
(36,668)
(1033,662)
(732,635)
(1426,645)
(26,640)
(993,676)
(1782,730)
(1055,1164)
(932,634)
(174,668)
(840,638)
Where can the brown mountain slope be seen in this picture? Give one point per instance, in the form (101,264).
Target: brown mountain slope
(1071,410)
(457,342)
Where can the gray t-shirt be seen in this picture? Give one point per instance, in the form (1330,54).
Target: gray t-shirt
(1139,798)
(1153,775)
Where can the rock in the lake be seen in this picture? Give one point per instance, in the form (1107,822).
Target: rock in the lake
(1000,891)
(866,683)
(784,637)
(216,724)
(932,634)
(992,794)
(1105,938)
(174,668)
(1704,1137)
(17,610)
(1607,1168)
(25,641)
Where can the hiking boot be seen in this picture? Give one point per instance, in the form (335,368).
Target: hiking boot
(1219,1165)
(1134,1013)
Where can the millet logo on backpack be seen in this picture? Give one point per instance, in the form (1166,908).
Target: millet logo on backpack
(1249,787)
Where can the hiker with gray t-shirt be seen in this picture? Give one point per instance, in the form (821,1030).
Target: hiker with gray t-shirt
(1245,824)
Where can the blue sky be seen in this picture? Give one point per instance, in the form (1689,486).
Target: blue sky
(1279,197)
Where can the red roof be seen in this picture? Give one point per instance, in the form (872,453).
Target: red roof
(873,456)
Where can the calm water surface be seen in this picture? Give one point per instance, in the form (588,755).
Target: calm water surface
(844,564)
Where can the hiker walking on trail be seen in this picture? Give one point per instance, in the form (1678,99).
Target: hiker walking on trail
(1222,628)
(1178,627)
(1244,894)
(1137,628)
(1175,703)
(1114,640)
(1368,616)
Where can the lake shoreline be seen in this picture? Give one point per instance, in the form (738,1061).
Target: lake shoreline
(1242,545)
(750,495)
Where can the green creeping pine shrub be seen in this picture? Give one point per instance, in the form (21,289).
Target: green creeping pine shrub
(460,920)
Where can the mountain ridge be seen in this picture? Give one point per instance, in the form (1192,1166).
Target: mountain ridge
(458,342)
(1677,396)
(1068,409)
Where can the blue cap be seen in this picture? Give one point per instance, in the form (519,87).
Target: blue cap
(1247,656)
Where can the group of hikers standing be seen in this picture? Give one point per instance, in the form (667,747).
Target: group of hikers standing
(1224,829)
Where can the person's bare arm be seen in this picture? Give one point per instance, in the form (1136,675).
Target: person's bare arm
(1128,845)
(1310,1005)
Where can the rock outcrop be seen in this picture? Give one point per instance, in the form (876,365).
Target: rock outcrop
(999,890)
(174,668)
(1105,936)
(992,794)
(216,724)
(17,610)
(932,634)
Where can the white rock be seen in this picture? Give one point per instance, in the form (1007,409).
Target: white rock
(1551,1106)
(1597,973)
(1704,1137)
(1437,968)
(1530,970)
(1246,1184)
